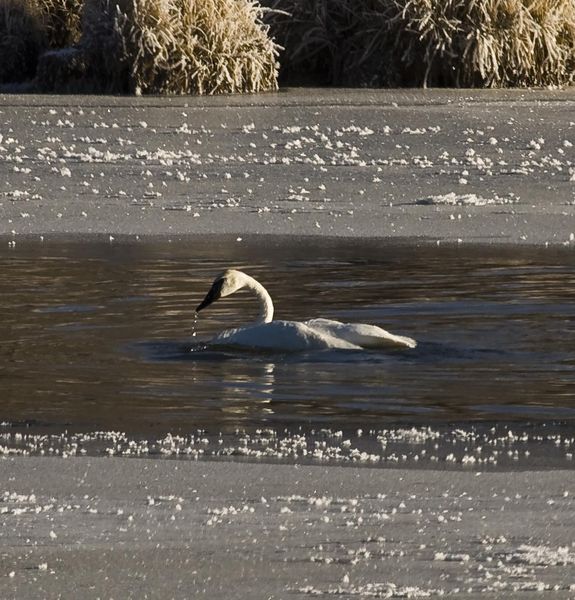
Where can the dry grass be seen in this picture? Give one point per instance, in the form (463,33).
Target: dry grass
(62,21)
(486,43)
(138,46)
(328,42)
(180,46)
(28,28)
(222,46)
(22,38)
(494,43)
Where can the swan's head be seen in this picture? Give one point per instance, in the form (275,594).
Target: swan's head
(225,284)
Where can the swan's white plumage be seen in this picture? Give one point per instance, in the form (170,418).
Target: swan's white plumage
(288,336)
(292,336)
(360,334)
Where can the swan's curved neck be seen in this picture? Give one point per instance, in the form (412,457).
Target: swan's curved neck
(265,301)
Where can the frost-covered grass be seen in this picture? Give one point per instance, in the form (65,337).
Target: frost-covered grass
(221,46)
(137,46)
(179,47)
(477,43)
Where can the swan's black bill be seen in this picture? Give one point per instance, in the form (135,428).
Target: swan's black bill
(214,294)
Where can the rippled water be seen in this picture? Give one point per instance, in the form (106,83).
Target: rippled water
(99,335)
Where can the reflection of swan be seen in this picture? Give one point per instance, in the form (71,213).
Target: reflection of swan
(293,335)
(248,392)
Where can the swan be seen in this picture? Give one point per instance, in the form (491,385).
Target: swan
(314,334)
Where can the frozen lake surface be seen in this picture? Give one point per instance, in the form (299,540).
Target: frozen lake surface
(487,166)
(96,343)
(103,336)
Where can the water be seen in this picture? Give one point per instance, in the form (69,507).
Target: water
(101,336)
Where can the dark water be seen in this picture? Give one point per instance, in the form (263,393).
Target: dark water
(100,335)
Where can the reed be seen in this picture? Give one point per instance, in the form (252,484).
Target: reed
(138,46)
(228,46)
(179,46)
(484,43)
(330,42)
(493,43)
(62,21)
(22,38)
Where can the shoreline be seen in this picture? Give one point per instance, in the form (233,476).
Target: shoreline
(304,96)
(464,446)
(134,239)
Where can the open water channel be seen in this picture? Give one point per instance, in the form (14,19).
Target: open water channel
(99,335)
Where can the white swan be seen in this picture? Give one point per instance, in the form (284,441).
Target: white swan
(293,335)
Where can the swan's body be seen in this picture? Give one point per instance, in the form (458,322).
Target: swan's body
(293,335)
(290,336)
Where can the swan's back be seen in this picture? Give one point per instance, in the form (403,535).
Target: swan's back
(288,336)
(360,334)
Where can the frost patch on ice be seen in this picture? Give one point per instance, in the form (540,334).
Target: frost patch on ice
(20,195)
(453,199)
(373,590)
(544,556)
(354,129)
(450,557)
(407,446)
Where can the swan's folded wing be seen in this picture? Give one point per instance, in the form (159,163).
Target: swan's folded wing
(360,334)
(283,336)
